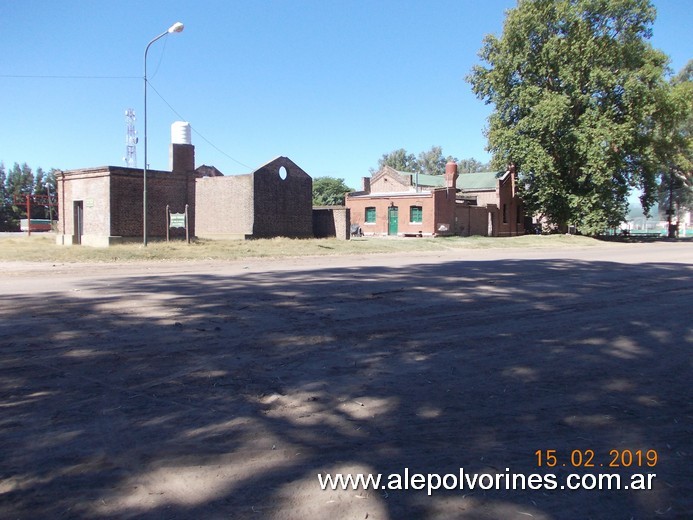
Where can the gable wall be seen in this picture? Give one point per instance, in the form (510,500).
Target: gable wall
(389,184)
(282,207)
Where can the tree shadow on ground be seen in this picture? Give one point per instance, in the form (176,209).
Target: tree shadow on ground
(213,396)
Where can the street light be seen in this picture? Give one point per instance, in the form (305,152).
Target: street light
(50,206)
(175,28)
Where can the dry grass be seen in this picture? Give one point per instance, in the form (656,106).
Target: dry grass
(42,247)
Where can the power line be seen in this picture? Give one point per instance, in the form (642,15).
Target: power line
(43,76)
(196,131)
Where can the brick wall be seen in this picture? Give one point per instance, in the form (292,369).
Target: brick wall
(331,222)
(224,206)
(260,204)
(112,203)
(472,220)
(181,157)
(89,187)
(388,180)
(283,206)
(445,222)
(163,188)
(509,205)
(425,200)
(483,197)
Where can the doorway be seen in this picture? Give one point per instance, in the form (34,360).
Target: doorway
(78,210)
(392,220)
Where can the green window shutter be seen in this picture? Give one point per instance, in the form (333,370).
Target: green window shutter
(415,214)
(370,215)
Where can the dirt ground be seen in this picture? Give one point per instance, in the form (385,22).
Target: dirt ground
(222,389)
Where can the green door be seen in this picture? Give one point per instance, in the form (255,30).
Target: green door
(392,220)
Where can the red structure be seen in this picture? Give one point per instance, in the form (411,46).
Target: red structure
(37,200)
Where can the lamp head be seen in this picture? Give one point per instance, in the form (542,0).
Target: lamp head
(176,27)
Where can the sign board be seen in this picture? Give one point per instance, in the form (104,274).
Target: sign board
(177,220)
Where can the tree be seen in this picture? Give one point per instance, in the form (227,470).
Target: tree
(19,182)
(676,186)
(39,211)
(433,161)
(4,200)
(577,91)
(51,186)
(328,191)
(471,165)
(400,160)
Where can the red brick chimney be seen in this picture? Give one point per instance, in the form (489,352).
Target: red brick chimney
(181,151)
(451,174)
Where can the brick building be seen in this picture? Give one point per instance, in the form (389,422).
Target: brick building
(274,200)
(405,204)
(103,206)
(391,205)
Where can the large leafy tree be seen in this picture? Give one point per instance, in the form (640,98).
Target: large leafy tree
(400,160)
(577,90)
(328,191)
(676,187)
(431,162)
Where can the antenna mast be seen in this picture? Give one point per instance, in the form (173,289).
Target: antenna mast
(130,139)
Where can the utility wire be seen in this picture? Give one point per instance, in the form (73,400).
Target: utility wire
(27,76)
(196,132)
(210,143)
(161,58)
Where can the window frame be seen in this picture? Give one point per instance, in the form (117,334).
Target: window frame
(415,209)
(371,212)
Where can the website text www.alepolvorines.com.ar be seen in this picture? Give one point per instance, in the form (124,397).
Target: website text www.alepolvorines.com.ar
(462,480)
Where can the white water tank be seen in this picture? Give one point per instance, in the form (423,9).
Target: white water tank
(180,133)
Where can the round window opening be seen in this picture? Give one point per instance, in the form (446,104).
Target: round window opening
(282,173)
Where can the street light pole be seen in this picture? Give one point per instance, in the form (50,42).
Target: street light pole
(50,206)
(175,28)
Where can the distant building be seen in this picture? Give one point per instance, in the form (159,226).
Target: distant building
(406,204)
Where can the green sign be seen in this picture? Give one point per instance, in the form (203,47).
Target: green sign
(177,220)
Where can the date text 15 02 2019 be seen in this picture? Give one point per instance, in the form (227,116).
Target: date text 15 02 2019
(588,459)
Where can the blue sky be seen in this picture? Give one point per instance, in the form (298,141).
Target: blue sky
(331,84)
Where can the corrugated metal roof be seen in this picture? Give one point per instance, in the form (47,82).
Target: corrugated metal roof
(465,181)
(478,181)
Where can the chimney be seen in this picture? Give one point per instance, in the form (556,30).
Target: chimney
(366,184)
(451,174)
(182,152)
